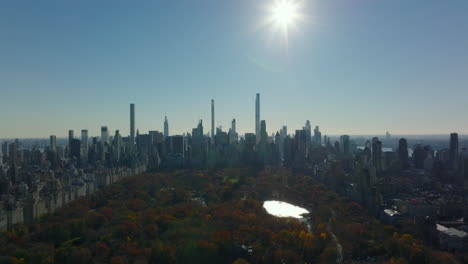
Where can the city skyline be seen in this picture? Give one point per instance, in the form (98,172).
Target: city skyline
(164,128)
(246,131)
(360,67)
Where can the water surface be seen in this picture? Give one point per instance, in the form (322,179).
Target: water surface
(283,209)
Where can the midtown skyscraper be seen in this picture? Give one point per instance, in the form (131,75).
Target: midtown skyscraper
(284,132)
(317,135)
(257,117)
(263,133)
(84,144)
(233,126)
(117,144)
(308,131)
(403,153)
(377,153)
(53,143)
(212,121)
(70,137)
(166,127)
(232,132)
(453,151)
(104,134)
(132,123)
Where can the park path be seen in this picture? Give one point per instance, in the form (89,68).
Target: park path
(339,248)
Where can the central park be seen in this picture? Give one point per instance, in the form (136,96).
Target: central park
(212,216)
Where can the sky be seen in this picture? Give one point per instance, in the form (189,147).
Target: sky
(349,66)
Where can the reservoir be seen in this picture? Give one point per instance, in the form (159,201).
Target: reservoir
(283,209)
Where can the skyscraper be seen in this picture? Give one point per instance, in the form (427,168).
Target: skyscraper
(377,153)
(453,151)
(301,138)
(70,137)
(104,134)
(308,131)
(132,124)
(419,155)
(263,133)
(345,144)
(117,145)
(212,121)
(284,132)
(403,153)
(5,148)
(257,117)
(13,152)
(75,149)
(317,135)
(232,132)
(233,126)
(177,143)
(198,131)
(166,127)
(53,143)
(70,142)
(84,144)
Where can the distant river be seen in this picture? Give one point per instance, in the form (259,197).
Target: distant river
(410,150)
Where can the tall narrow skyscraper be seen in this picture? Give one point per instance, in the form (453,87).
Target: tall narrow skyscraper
(212,121)
(233,125)
(166,127)
(53,143)
(70,141)
(117,145)
(257,117)
(233,137)
(132,124)
(263,133)
(377,153)
(453,151)
(84,145)
(308,131)
(70,137)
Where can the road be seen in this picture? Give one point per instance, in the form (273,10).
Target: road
(339,248)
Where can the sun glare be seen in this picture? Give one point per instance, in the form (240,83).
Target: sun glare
(284,14)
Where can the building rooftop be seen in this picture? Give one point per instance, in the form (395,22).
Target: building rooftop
(441,228)
(452,231)
(391,212)
(455,232)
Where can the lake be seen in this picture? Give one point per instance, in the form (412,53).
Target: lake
(283,209)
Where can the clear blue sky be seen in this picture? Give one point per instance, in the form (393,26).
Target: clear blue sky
(352,66)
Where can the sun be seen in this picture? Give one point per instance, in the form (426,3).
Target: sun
(284,15)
